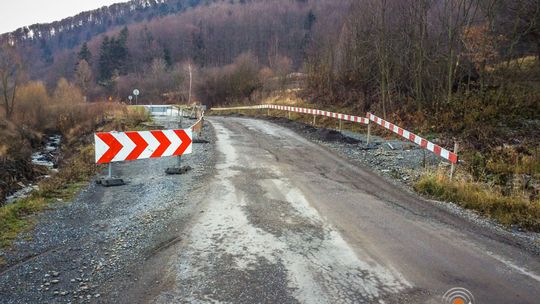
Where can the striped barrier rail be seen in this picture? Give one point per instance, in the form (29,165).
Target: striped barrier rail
(346,117)
(438,150)
(339,116)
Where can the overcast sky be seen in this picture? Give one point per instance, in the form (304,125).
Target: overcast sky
(18,13)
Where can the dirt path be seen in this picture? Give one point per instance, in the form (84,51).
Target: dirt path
(288,221)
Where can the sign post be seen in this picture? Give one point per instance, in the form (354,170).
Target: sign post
(130,99)
(136,92)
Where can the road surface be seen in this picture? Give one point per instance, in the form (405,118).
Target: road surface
(266,216)
(288,221)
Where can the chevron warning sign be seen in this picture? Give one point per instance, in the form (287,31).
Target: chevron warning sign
(123,146)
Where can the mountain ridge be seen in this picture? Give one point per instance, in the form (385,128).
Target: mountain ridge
(83,26)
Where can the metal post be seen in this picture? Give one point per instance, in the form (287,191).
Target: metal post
(340,124)
(179,156)
(268,112)
(314,120)
(110,170)
(369,133)
(453,166)
(289,115)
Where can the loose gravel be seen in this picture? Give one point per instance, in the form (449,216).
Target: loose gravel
(87,250)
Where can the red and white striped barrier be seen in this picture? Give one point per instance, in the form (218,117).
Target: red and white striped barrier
(450,156)
(124,146)
(346,117)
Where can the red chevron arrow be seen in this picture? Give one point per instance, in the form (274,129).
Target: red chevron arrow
(114,147)
(140,145)
(164,143)
(186,141)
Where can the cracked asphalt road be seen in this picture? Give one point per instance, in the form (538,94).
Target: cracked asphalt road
(266,216)
(287,221)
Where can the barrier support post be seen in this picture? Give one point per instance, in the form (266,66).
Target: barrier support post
(453,166)
(369,133)
(110,181)
(314,120)
(268,112)
(340,124)
(179,169)
(289,115)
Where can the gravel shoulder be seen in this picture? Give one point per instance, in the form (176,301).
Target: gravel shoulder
(95,248)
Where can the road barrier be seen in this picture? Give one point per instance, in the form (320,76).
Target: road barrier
(452,157)
(438,150)
(340,116)
(125,146)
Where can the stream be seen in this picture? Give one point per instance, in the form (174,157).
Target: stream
(48,157)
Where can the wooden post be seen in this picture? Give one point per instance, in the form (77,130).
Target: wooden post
(369,133)
(314,120)
(289,115)
(340,124)
(268,112)
(453,166)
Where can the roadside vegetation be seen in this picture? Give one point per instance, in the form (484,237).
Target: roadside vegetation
(510,209)
(63,112)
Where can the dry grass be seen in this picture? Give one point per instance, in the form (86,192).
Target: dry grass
(508,210)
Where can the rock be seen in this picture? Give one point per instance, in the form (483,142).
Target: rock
(55,281)
(55,273)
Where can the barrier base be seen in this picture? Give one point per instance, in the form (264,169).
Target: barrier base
(178,171)
(111,182)
(200,141)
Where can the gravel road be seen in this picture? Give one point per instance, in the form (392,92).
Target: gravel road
(266,216)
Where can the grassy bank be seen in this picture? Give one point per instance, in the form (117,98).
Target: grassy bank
(76,170)
(510,209)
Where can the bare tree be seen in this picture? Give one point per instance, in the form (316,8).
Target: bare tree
(83,76)
(10,77)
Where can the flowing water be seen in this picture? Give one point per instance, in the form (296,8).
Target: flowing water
(48,157)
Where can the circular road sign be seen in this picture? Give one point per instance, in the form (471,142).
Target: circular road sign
(130,97)
(136,92)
